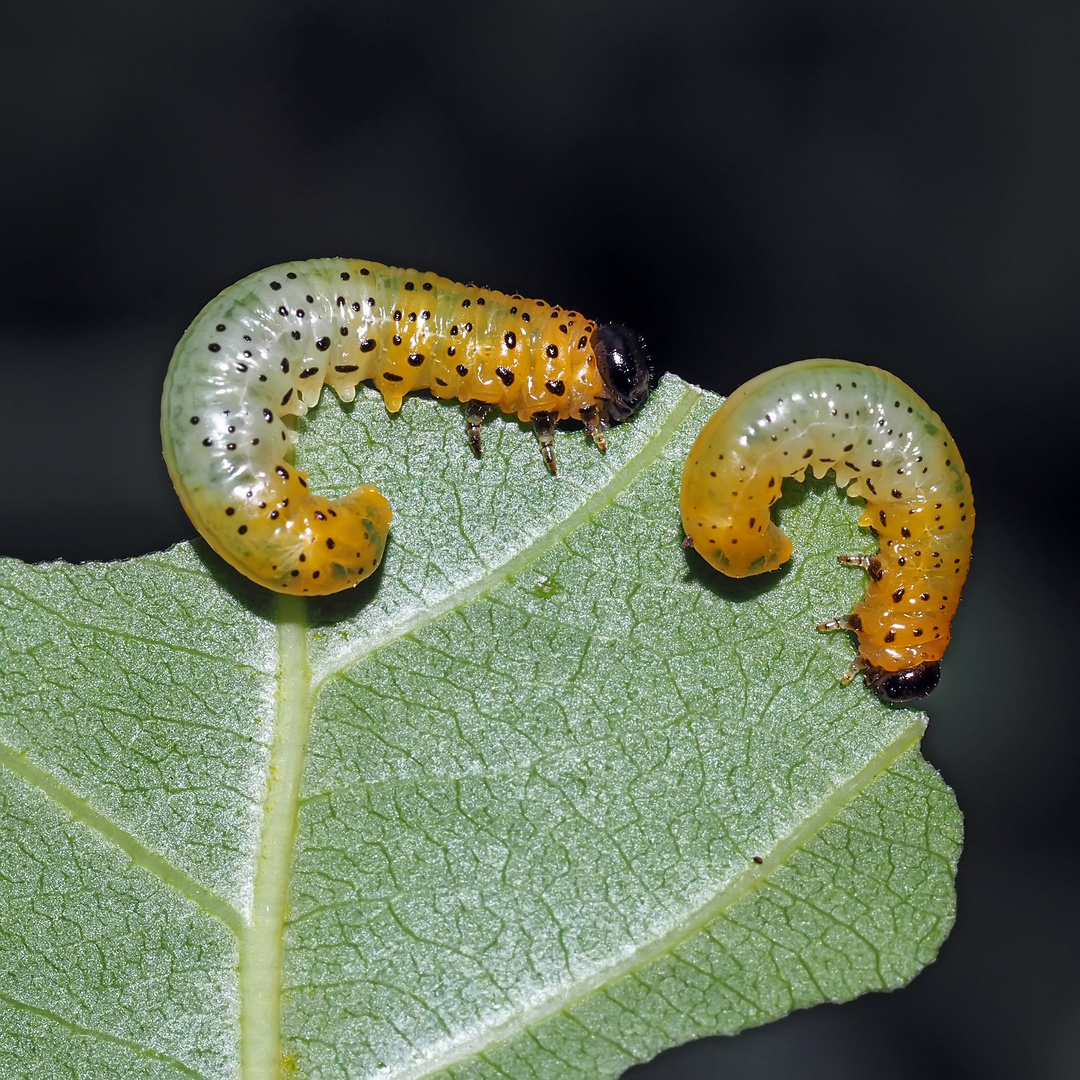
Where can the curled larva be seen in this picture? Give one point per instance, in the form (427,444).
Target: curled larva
(885,445)
(263,350)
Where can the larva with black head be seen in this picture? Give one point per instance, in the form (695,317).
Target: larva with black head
(885,445)
(264,348)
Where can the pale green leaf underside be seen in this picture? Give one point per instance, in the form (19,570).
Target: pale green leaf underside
(494,813)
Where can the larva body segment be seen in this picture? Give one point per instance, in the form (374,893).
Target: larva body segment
(885,445)
(265,347)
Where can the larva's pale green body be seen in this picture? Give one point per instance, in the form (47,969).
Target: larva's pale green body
(885,445)
(265,347)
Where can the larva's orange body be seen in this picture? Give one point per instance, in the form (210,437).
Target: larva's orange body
(264,349)
(885,445)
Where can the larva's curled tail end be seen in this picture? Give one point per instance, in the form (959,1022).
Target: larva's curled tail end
(351,550)
(320,546)
(736,548)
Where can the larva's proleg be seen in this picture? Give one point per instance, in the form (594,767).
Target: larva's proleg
(885,445)
(264,349)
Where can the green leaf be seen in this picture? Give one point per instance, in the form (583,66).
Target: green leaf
(544,797)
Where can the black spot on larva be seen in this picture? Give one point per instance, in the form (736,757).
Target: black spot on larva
(412,316)
(322,344)
(506,375)
(285,364)
(425,314)
(345,274)
(772,481)
(890,637)
(480,301)
(283,310)
(396,339)
(308,372)
(296,335)
(275,285)
(330,542)
(295,573)
(426,286)
(230,446)
(896,494)
(905,532)
(241,368)
(439,381)
(355,305)
(194,419)
(398,316)
(881,517)
(247,354)
(320,516)
(582,341)
(291,276)
(344,331)
(552,351)
(510,338)
(214,347)
(466,302)
(230,510)
(809,453)
(303,482)
(242,530)
(525,317)
(416,359)
(409,286)
(562,328)
(220,327)
(468,327)
(556,387)
(346,368)
(208,442)
(389,376)
(870,486)
(367,344)
(462,370)
(450,350)
(285,401)
(282,472)
(268,416)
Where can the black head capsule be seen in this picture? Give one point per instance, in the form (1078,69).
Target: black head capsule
(624,366)
(908,685)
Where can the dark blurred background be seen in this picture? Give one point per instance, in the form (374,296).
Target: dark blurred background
(747,183)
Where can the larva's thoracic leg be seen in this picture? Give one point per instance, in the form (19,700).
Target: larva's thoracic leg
(475,411)
(870,563)
(544,425)
(591,420)
(856,665)
(845,622)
